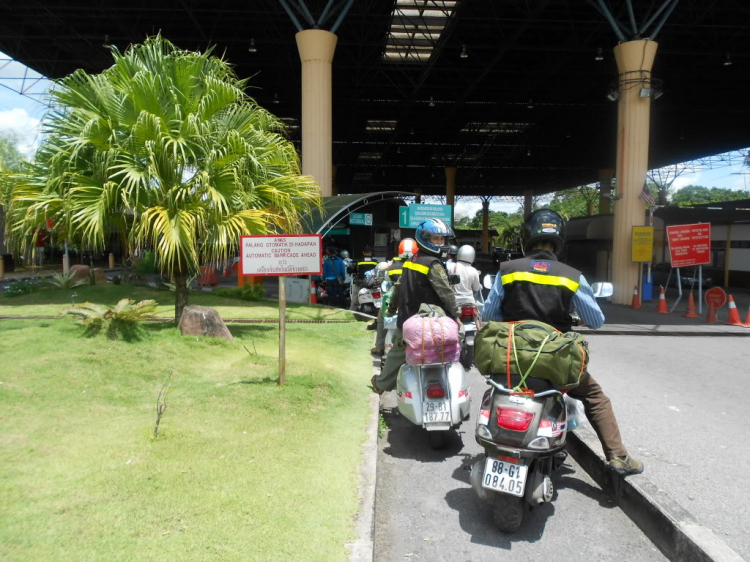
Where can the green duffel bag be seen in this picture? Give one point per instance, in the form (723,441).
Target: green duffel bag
(532,349)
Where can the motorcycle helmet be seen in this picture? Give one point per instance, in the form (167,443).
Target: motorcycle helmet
(544,225)
(452,251)
(466,254)
(344,254)
(407,248)
(430,229)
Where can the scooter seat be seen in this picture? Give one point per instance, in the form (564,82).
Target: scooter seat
(532,383)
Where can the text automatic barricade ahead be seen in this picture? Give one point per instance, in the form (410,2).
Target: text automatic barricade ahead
(411,216)
(285,254)
(689,244)
(643,243)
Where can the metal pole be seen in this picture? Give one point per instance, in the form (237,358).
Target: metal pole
(700,289)
(282,330)
(679,291)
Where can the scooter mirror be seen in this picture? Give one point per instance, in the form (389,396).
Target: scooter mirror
(385,286)
(488,281)
(602,290)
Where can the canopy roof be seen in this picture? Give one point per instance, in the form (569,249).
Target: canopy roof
(335,209)
(525,108)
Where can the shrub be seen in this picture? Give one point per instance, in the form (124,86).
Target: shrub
(22,287)
(247,293)
(146,265)
(121,320)
(65,281)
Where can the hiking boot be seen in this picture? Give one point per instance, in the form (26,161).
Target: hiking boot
(376,351)
(372,326)
(374,384)
(625,465)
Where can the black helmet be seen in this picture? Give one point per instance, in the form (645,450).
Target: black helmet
(453,250)
(544,225)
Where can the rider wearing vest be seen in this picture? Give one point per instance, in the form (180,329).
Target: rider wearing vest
(406,249)
(538,287)
(424,280)
(363,266)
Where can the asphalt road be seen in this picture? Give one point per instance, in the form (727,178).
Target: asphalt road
(682,409)
(426,509)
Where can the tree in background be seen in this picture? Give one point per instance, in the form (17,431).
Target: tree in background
(577,202)
(166,149)
(697,195)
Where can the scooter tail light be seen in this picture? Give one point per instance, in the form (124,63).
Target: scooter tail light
(435,390)
(376,295)
(514,420)
(468,312)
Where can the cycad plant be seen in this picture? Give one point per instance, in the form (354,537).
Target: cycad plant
(165,149)
(123,318)
(65,281)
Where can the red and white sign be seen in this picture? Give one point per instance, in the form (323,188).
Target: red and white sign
(283,254)
(717,296)
(689,244)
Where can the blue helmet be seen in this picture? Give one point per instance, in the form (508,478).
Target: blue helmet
(428,230)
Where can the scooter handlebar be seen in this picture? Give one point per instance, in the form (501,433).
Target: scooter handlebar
(501,388)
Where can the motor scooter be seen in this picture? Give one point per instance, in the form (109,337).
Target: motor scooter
(369,296)
(471,318)
(523,436)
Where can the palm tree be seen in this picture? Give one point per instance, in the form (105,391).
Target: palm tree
(166,149)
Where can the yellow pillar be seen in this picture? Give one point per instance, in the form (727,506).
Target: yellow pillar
(450,188)
(605,191)
(634,61)
(528,202)
(316,48)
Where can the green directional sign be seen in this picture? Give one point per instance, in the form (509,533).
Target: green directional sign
(411,216)
(361,219)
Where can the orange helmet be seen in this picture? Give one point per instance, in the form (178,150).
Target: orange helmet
(407,248)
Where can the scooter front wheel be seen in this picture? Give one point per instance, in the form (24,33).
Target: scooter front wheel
(507,512)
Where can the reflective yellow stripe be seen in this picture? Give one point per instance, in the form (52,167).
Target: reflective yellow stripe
(540,279)
(368,263)
(395,272)
(416,267)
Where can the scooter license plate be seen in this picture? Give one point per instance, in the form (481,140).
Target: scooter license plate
(506,477)
(436,411)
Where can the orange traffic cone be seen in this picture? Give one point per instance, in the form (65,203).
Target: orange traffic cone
(636,298)
(313,293)
(662,308)
(691,307)
(225,272)
(711,317)
(734,315)
(747,320)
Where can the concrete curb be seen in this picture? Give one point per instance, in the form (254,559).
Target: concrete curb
(676,532)
(361,550)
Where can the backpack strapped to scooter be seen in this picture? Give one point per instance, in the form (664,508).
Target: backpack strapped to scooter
(530,348)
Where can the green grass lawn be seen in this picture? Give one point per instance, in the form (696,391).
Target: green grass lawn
(52,301)
(242,469)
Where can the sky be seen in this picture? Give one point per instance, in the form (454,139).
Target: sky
(21,116)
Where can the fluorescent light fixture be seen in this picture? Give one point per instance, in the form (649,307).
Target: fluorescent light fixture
(252,48)
(599,55)
(728,61)
(645,92)
(464,54)
(613,95)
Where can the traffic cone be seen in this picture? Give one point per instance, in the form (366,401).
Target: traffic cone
(313,293)
(747,320)
(691,307)
(711,317)
(225,272)
(636,298)
(662,308)
(734,315)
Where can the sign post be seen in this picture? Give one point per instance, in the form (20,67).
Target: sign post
(690,245)
(281,255)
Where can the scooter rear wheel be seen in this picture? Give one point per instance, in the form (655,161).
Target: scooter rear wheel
(467,356)
(507,512)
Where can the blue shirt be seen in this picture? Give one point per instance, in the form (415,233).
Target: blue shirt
(583,300)
(333,267)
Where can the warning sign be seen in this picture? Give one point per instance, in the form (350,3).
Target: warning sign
(286,254)
(643,243)
(689,244)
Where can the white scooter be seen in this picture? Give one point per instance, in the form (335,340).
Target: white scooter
(369,297)
(434,396)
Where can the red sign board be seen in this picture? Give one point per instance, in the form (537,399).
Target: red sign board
(717,296)
(689,244)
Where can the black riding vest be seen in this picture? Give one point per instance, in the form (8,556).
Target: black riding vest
(364,266)
(416,287)
(395,270)
(538,287)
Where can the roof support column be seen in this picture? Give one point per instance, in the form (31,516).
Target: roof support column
(605,192)
(450,188)
(528,203)
(485,225)
(634,62)
(316,48)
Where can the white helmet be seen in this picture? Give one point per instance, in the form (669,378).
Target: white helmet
(344,254)
(466,254)
(407,248)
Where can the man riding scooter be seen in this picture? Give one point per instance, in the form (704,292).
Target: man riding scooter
(406,249)
(467,290)
(423,281)
(539,287)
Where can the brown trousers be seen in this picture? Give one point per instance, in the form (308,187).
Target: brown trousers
(599,412)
